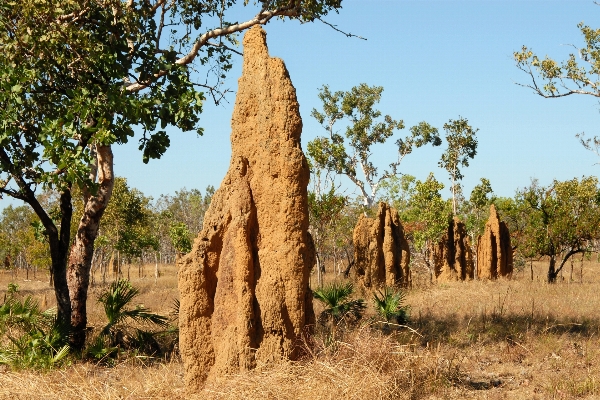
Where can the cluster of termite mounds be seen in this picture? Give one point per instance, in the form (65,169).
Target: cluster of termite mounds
(381,252)
(451,257)
(244,287)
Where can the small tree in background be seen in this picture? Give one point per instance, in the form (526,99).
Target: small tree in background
(324,209)
(346,154)
(477,208)
(564,220)
(462,145)
(127,222)
(186,207)
(423,211)
(180,238)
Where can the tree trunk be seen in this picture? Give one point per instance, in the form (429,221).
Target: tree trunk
(319,271)
(531,268)
(59,247)
(80,260)
(155,269)
(552,270)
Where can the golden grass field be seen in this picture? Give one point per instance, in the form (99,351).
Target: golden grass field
(517,339)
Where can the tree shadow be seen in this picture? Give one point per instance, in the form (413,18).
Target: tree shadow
(488,328)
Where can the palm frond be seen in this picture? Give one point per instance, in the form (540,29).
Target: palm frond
(60,354)
(335,299)
(116,298)
(389,304)
(142,314)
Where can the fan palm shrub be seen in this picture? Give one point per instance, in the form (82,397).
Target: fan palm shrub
(338,306)
(32,338)
(389,305)
(118,333)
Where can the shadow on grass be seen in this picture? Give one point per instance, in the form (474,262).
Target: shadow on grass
(492,327)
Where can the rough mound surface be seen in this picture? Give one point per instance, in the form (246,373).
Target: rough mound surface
(381,251)
(452,257)
(245,296)
(494,252)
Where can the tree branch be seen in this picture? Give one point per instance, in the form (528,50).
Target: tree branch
(260,19)
(334,27)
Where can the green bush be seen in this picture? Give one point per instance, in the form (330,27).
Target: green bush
(118,333)
(389,306)
(339,309)
(34,337)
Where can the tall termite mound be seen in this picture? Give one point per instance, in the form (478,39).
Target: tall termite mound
(244,287)
(494,252)
(452,257)
(381,251)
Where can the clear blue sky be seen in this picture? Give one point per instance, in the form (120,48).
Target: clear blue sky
(436,60)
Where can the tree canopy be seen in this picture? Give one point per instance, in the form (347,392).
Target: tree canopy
(462,145)
(345,154)
(563,219)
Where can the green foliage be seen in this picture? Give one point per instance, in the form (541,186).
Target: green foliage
(389,305)
(118,332)
(552,79)
(179,218)
(462,145)
(324,207)
(477,208)
(423,211)
(127,222)
(335,298)
(563,218)
(180,237)
(75,74)
(35,338)
(345,154)
(398,191)
(567,77)
(116,301)
(22,238)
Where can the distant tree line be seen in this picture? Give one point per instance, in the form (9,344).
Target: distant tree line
(135,229)
(553,223)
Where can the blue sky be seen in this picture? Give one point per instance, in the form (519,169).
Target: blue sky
(437,60)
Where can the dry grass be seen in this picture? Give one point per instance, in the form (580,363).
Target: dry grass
(129,380)
(517,339)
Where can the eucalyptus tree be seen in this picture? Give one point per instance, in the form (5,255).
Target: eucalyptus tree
(345,154)
(578,74)
(462,145)
(477,208)
(325,208)
(76,77)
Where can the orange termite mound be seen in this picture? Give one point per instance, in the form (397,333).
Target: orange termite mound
(494,252)
(381,252)
(452,257)
(245,296)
